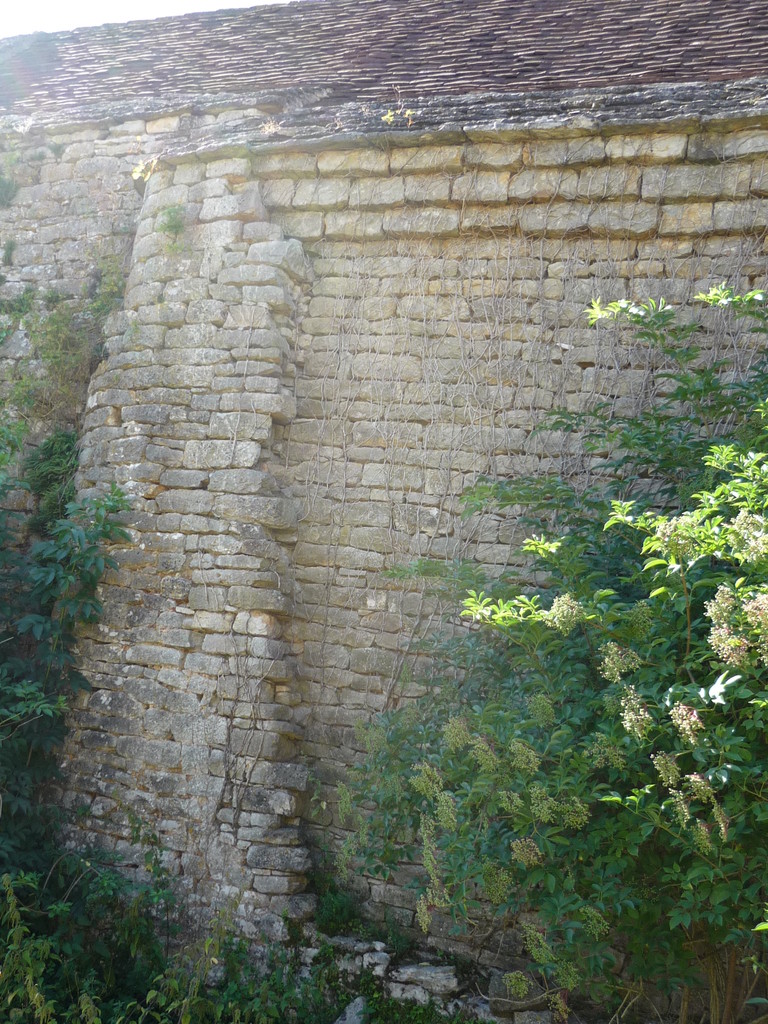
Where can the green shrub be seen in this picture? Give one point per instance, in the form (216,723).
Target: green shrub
(49,470)
(46,590)
(8,190)
(595,753)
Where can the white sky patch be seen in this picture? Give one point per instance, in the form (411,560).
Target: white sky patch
(20,17)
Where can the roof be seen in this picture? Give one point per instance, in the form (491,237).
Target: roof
(391,51)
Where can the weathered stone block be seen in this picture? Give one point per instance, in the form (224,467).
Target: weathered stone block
(687,219)
(418,159)
(353,162)
(211,599)
(647,148)
(628,219)
(421,222)
(276,513)
(322,193)
(260,599)
(374,192)
(544,183)
(286,859)
(480,187)
(558,218)
(232,453)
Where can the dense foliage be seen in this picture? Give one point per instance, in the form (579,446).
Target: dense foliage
(593,760)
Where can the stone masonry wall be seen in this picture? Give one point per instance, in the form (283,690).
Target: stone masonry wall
(320,349)
(446,314)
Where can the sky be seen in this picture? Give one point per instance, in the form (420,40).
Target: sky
(19,17)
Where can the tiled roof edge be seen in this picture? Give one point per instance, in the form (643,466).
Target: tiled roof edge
(302,118)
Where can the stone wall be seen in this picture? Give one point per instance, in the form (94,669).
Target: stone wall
(321,347)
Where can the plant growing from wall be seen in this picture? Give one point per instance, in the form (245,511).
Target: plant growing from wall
(171,222)
(8,190)
(600,759)
(66,339)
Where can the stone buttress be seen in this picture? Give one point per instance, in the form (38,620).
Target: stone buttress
(193,719)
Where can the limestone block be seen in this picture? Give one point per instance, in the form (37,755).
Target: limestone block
(278,300)
(544,183)
(609,182)
(237,481)
(220,454)
(244,206)
(421,222)
(624,219)
(212,599)
(284,164)
(164,455)
(269,801)
(647,148)
(418,159)
(279,885)
(696,181)
(687,218)
(281,776)
(353,162)
(558,218)
(153,654)
(306,225)
(158,202)
(241,425)
(488,218)
(288,255)
(724,146)
(494,155)
(108,167)
(278,192)
(276,513)
(232,167)
(260,231)
(218,234)
(353,225)
(196,502)
(374,192)
(380,367)
(321,193)
(408,993)
(189,173)
(286,859)
(439,980)
(215,643)
(427,188)
(750,215)
(585,150)
(213,188)
(481,187)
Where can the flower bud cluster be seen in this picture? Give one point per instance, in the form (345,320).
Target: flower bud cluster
(456,734)
(602,752)
(666,769)
(541,710)
(565,614)
(749,537)
(687,722)
(526,851)
(522,758)
(497,882)
(617,662)
(635,716)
